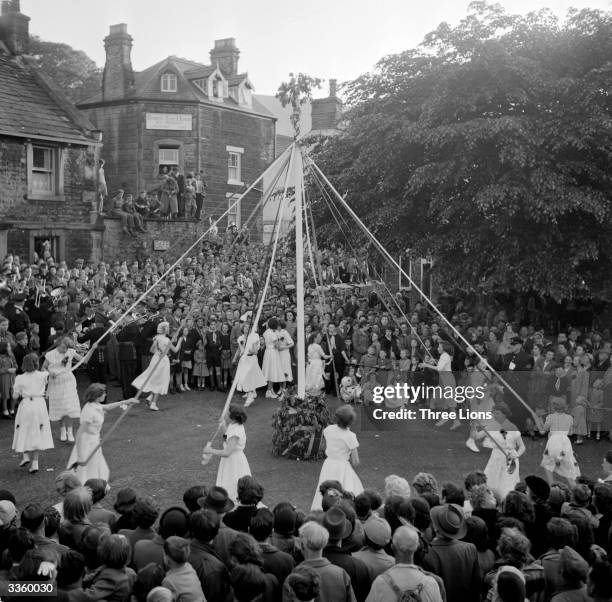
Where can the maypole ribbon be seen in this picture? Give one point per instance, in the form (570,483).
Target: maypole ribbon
(116,324)
(389,258)
(207,457)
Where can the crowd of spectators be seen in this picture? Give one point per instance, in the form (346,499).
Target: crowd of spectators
(424,541)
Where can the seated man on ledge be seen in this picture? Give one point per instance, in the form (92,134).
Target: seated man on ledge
(127,220)
(128,207)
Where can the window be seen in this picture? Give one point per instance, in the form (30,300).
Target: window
(45,172)
(168,82)
(168,158)
(234,215)
(234,165)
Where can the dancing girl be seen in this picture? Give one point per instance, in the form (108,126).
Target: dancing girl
(88,435)
(155,380)
(249,376)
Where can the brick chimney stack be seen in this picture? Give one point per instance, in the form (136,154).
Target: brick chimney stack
(327,112)
(118,75)
(14,28)
(225,54)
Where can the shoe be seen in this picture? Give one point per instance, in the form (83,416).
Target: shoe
(579,441)
(63,434)
(34,468)
(149,398)
(471,444)
(249,401)
(271,394)
(187,388)
(441,422)
(245,396)
(153,407)
(6,415)
(70,435)
(181,388)
(456,425)
(24,462)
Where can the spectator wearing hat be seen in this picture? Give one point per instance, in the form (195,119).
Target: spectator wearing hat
(405,576)
(213,574)
(335,583)
(455,561)
(173,522)
(279,563)
(377,534)
(284,528)
(339,529)
(144,514)
(538,491)
(217,499)
(573,570)
(33,520)
(509,585)
(18,319)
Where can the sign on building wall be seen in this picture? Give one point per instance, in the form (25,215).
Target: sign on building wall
(161,245)
(169,121)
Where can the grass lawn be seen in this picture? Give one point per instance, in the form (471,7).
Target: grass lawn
(158,453)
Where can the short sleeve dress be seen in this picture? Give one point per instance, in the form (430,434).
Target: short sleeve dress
(235,465)
(62,388)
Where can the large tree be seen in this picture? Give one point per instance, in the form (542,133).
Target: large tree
(489,148)
(71,70)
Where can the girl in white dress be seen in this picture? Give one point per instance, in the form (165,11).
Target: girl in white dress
(315,368)
(445,379)
(64,402)
(32,426)
(88,435)
(506,443)
(284,345)
(159,381)
(272,367)
(558,455)
(341,455)
(234,463)
(249,376)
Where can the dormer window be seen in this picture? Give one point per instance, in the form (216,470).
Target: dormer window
(168,82)
(217,89)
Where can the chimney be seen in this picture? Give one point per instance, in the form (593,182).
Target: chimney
(327,112)
(225,54)
(118,75)
(332,88)
(14,28)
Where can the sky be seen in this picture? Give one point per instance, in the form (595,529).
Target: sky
(324,38)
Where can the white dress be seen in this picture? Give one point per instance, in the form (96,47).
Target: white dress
(32,426)
(62,387)
(159,382)
(285,355)
(272,367)
(315,369)
(496,470)
(236,465)
(87,438)
(339,444)
(248,373)
(559,455)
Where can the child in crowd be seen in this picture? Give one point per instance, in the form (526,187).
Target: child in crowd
(8,368)
(200,370)
(595,409)
(186,357)
(367,370)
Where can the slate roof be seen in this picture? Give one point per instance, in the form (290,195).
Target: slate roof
(147,85)
(31,107)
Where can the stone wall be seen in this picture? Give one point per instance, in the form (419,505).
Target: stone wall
(68,220)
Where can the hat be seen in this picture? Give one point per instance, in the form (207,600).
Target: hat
(7,512)
(216,499)
(539,487)
(449,521)
(377,530)
(335,521)
(510,585)
(571,565)
(284,521)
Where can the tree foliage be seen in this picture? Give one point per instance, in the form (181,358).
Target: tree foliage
(489,148)
(297,91)
(71,70)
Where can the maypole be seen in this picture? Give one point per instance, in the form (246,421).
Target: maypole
(299,273)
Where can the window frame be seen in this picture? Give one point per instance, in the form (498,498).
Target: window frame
(56,170)
(236,213)
(238,152)
(168,76)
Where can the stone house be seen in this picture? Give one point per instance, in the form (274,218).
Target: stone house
(48,156)
(185,114)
